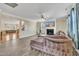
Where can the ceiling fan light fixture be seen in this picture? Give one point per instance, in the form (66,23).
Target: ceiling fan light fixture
(42,19)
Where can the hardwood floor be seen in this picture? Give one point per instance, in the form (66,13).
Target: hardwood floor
(16,47)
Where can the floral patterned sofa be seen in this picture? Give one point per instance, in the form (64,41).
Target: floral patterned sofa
(54,45)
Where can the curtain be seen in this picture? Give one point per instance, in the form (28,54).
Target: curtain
(72,26)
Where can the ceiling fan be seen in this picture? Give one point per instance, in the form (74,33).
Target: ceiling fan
(13,5)
(44,16)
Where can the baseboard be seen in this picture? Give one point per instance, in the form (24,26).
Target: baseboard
(28,36)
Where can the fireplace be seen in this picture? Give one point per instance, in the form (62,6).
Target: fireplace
(50,31)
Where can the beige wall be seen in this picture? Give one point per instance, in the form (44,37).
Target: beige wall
(61,24)
(30,26)
(30,29)
(8,23)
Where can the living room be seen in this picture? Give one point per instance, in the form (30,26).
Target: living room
(38,29)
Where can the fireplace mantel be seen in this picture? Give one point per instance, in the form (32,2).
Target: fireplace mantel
(48,25)
(45,30)
(50,28)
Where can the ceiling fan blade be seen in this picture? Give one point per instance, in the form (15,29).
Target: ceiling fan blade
(13,5)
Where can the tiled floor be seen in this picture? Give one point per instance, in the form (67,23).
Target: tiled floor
(16,47)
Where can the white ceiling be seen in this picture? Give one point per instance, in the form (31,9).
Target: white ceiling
(32,10)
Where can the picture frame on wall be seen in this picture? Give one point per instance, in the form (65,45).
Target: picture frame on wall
(50,24)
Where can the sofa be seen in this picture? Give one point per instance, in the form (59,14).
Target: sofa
(54,45)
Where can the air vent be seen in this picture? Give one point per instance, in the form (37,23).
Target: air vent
(13,5)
